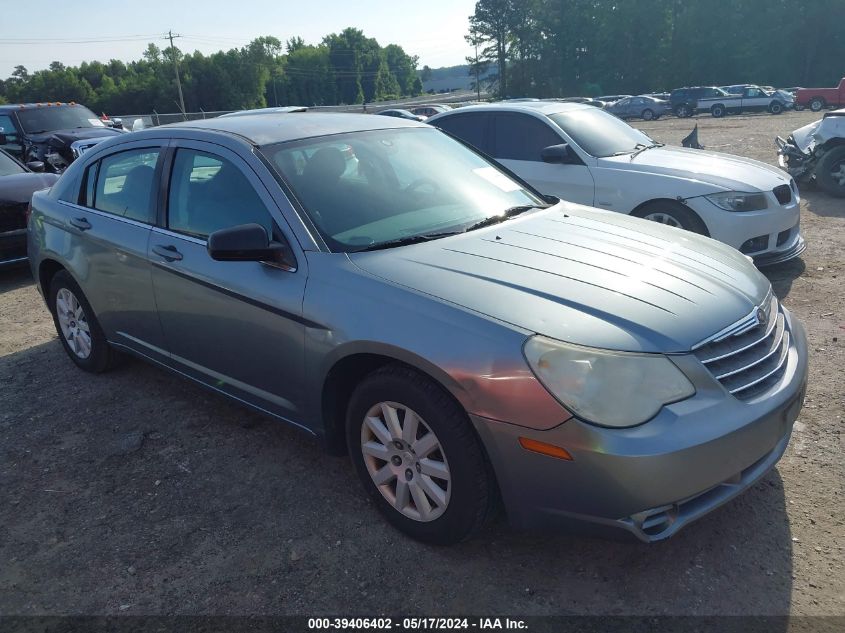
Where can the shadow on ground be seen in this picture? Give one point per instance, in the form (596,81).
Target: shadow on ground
(136,492)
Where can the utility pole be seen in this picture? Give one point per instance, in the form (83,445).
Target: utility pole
(477,82)
(170,37)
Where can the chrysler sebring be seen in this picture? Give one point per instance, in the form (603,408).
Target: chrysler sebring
(388,290)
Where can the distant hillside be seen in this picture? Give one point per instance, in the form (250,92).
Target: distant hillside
(450,78)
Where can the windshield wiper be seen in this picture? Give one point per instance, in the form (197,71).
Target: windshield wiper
(508,213)
(405,241)
(640,148)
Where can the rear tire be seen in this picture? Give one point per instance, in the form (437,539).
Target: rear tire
(776,108)
(77,326)
(817,104)
(830,172)
(463,503)
(648,114)
(672,213)
(718,111)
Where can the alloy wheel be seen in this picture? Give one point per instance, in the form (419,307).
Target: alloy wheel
(838,173)
(663,218)
(406,462)
(73,323)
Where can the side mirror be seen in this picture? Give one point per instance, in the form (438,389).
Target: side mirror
(557,154)
(35,165)
(249,243)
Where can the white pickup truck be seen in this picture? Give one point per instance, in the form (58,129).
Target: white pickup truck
(751,99)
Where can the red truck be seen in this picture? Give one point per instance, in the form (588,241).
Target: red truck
(819,98)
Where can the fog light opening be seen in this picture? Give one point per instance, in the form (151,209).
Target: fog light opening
(551,450)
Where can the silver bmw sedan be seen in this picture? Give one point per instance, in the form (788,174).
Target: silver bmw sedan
(386,289)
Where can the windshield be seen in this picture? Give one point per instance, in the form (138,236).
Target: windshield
(600,134)
(368,188)
(51,118)
(9,166)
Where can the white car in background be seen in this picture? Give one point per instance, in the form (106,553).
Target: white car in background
(585,155)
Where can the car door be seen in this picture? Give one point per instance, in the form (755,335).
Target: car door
(235,326)
(755,99)
(109,226)
(518,141)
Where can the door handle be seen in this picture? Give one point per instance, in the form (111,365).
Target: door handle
(81,223)
(169,253)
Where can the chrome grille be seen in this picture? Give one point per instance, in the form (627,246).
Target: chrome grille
(748,357)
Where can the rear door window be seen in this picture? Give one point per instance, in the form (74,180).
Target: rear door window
(123,184)
(470,128)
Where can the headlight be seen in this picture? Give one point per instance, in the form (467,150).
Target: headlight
(616,389)
(739,201)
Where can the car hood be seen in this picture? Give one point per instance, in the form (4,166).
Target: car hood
(585,276)
(832,125)
(723,171)
(17,189)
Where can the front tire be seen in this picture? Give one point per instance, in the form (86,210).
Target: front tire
(830,172)
(816,104)
(672,213)
(648,114)
(77,325)
(718,111)
(776,108)
(418,456)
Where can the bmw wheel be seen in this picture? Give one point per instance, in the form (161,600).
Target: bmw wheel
(418,456)
(672,213)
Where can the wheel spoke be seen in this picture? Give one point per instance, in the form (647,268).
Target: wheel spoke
(425,445)
(434,469)
(383,475)
(391,419)
(435,492)
(420,500)
(379,430)
(377,450)
(409,426)
(402,495)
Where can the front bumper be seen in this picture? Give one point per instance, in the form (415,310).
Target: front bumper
(770,236)
(653,479)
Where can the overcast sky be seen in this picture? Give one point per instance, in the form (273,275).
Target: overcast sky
(72,32)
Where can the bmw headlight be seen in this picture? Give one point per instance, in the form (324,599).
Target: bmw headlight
(739,201)
(616,389)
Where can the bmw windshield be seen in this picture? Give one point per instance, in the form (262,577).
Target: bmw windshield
(388,187)
(600,134)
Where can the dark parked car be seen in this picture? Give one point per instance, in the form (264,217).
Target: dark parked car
(430,110)
(17,184)
(647,108)
(402,114)
(684,101)
(51,133)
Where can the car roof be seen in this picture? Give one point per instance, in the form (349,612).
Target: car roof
(535,108)
(266,129)
(272,110)
(15,107)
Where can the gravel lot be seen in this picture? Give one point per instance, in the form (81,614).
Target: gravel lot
(136,492)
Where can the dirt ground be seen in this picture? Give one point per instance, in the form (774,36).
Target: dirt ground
(136,492)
